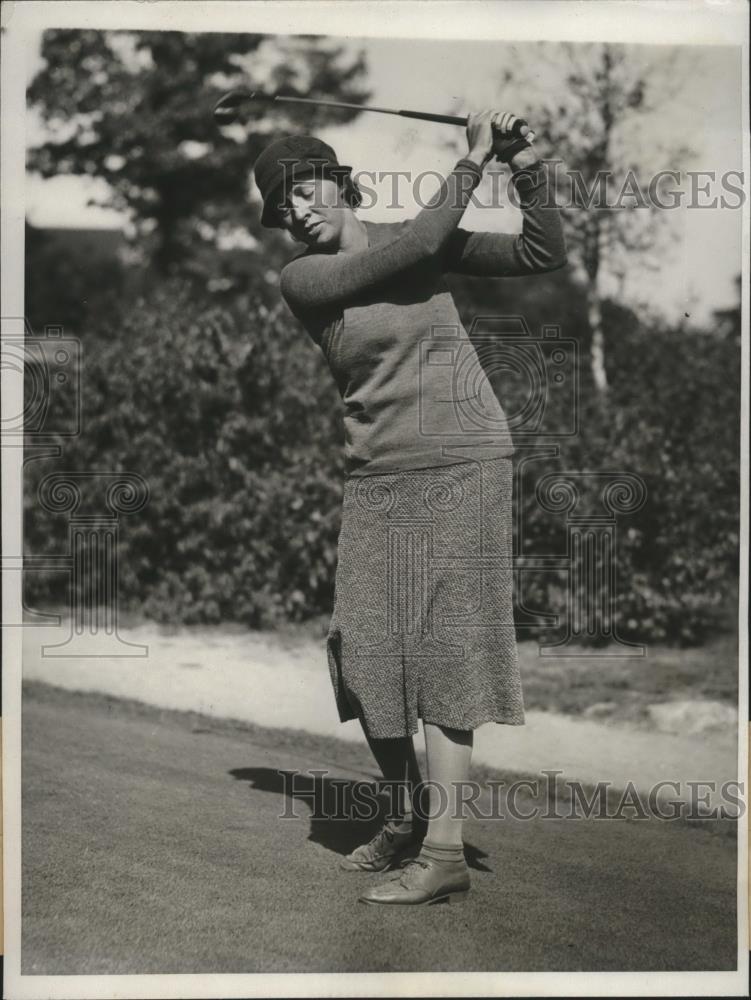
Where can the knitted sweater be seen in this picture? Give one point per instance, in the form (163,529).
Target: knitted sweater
(414,392)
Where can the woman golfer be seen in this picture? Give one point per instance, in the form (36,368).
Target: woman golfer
(422,626)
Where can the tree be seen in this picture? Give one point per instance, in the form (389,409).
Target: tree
(134,108)
(591,121)
(599,113)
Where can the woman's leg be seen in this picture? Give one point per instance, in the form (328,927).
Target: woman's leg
(449,753)
(440,870)
(398,763)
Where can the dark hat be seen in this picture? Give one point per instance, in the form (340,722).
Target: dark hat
(293,157)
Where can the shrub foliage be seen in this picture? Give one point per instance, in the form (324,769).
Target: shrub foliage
(232,418)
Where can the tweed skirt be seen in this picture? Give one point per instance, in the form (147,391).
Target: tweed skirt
(422,625)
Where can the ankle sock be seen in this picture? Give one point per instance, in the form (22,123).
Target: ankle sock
(442,852)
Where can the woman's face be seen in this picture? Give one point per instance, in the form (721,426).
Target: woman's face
(313,211)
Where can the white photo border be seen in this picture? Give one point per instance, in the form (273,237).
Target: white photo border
(678,22)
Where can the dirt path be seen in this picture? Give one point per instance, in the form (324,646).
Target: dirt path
(267,680)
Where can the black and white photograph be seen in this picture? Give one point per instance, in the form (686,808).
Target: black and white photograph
(375,498)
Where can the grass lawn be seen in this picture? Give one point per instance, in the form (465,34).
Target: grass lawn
(153,842)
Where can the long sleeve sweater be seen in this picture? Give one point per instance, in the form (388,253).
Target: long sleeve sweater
(414,391)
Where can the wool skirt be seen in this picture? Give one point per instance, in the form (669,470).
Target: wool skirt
(422,625)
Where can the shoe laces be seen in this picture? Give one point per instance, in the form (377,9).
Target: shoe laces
(383,835)
(379,842)
(412,870)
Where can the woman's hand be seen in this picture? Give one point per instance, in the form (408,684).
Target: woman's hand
(480,136)
(490,133)
(511,148)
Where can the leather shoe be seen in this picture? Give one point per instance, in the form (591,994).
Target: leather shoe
(381,852)
(422,881)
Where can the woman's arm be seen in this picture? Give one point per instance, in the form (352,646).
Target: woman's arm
(540,246)
(318,280)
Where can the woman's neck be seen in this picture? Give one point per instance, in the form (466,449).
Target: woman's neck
(354,235)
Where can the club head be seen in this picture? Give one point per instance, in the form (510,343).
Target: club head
(232,106)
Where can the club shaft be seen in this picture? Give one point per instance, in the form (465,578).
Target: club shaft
(422,115)
(231,101)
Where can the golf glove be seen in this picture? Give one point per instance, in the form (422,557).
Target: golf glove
(505,145)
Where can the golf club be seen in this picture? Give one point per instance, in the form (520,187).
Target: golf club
(230,107)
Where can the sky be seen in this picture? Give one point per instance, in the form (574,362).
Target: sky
(695,274)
